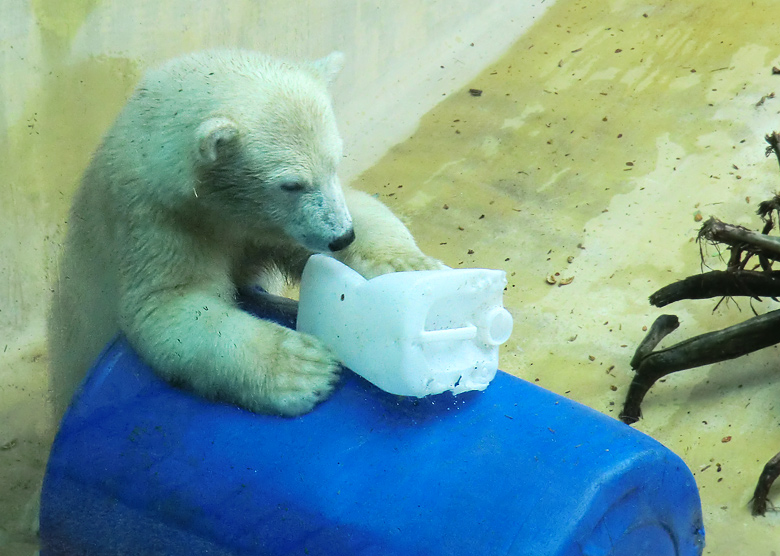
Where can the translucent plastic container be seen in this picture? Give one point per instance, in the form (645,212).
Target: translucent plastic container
(410,333)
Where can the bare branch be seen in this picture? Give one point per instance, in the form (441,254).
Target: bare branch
(661,328)
(720,283)
(774,140)
(713,347)
(768,475)
(737,236)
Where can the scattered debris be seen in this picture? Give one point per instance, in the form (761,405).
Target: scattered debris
(9,445)
(764,99)
(759,332)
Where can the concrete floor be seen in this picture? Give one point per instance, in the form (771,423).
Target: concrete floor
(597,140)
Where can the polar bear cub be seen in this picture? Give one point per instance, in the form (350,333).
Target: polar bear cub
(219,172)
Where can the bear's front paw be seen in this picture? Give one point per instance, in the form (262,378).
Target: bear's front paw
(302,374)
(370,268)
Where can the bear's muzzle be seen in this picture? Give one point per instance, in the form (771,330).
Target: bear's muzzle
(344,241)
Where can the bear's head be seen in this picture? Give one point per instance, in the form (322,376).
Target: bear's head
(269,155)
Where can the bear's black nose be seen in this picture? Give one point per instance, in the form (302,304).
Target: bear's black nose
(342,242)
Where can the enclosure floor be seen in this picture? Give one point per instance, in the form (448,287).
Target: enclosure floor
(596,143)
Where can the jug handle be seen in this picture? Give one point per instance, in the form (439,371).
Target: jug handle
(449,335)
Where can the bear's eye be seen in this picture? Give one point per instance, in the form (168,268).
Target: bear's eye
(293,186)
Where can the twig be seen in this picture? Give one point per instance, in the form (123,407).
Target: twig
(774,141)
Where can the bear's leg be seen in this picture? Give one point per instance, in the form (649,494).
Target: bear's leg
(382,243)
(210,346)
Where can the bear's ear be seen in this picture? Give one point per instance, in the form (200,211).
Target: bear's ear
(328,68)
(213,136)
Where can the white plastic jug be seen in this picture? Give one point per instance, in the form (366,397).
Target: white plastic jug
(409,333)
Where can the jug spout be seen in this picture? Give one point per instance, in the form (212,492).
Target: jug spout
(496,326)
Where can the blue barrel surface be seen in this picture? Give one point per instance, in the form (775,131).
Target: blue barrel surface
(142,468)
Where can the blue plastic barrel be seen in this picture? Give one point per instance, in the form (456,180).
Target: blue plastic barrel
(142,468)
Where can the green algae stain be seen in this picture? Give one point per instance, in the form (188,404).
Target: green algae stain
(44,153)
(49,146)
(62,18)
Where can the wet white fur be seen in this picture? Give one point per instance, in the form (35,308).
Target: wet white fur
(219,172)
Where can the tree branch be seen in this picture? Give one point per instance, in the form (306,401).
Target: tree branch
(713,347)
(768,475)
(741,238)
(720,283)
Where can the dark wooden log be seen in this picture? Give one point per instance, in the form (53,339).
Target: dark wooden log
(768,475)
(754,334)
(661,328)
(720,283)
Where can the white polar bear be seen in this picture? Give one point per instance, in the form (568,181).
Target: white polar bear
(219,172)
